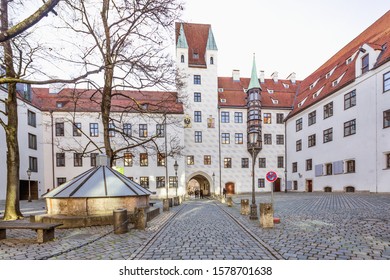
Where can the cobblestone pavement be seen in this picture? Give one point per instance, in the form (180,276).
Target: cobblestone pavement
(313,226)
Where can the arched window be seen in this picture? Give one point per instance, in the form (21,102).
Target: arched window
(182,58)
(211,60)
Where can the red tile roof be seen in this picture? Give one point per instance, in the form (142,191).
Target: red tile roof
(83,100)
(196,35)
(376,36)
(235,96)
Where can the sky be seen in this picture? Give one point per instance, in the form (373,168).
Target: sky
(285,35)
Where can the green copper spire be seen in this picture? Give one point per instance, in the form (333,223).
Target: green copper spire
(254,83)
(182,41)
(211,45)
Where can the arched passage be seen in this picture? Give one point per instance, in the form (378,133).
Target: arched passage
(199,181)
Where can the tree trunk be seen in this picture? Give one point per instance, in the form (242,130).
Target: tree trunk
(12,208)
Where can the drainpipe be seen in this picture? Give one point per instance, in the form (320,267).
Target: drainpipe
(285,157)
(166,154)
(52,148)
(220,155)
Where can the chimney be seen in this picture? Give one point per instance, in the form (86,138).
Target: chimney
(102,160)
(261,76)
(292,77)
(236,75)
(275,76)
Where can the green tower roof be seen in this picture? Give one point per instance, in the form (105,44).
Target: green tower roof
(254,83)
(182,41)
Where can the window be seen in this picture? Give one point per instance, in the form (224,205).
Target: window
(298,145)
(32,141)
(311,118)
(365,63)
(386,82)
(143,130)
(279,118)
(227,163)
(294,167)
(267,139)
(190,160)
(262,163)
(350,166)
(207,160)
(161,159)
(328,135)
(93,159)
(239,138)
(197,97)
(328,110)
(198,136)
(31,118)
(60,129)
(172,181)
(280,162)
(349,99)
(386,119)
(211,60)
(298,124)
(61,180)
(127,159)
(127,129)
(160,182)
(60,159)
(254,114)
(76,129)
(349,128)
(144,182)
(245,163)
(197,116)
(182,58)
(311,140)
(295,183)
(267,118)
(238,117)
(111,130)
(93,130)
(280,139)
(309,164)
(225,117)
(143,159)
(77,159)
(225,138)
(388,161)
(160,130)
(197,80)
(261,183)
(328,169)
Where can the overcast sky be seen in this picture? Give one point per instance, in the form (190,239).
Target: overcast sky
(286,35)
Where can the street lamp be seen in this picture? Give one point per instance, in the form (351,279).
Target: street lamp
(214,182)
(29,186)
(176,167)
(254,148)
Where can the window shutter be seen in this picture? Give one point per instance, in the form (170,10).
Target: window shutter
(338,167)
(319,170)
(289,185)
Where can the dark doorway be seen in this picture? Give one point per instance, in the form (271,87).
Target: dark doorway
(309,185)
(229,188)
(23,189)
(277,185)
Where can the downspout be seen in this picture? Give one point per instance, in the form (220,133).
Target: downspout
(166,154)
(220,155)
(285,158)
(52,148)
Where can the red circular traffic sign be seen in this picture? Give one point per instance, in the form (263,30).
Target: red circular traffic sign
(271,176)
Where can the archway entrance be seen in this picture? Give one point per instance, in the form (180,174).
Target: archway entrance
(198,183)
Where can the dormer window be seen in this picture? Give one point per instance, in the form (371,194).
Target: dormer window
(334,83)
(270,91)
(286,85)
(195,55)
(59,104)
(275,101)
(365,64)
(182,58)
(348,61)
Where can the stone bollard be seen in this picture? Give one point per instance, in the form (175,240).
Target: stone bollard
(120,221)
(166,204)
(170,202)
(245,207)
(180,199)
(266,215)
(176,201)
(140,218)
(229,201)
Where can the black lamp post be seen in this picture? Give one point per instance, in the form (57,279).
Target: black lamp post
(254,148)
(176,167)
(214,182)
(29,185)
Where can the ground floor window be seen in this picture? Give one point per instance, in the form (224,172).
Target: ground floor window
(388,160)
(295,185)
(329,169)
(261,183)
(60,181)
(160,182)
(144,182)
(350,166)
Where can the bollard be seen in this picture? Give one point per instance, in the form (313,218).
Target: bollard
(120,221)
(140,219)
(176,201)
(170,202)
(266,215)
(245,207)
(166,204)
(229,201)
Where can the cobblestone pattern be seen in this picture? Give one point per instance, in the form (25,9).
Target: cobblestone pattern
(326,226)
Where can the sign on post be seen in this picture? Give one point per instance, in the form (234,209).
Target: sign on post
(271,176)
